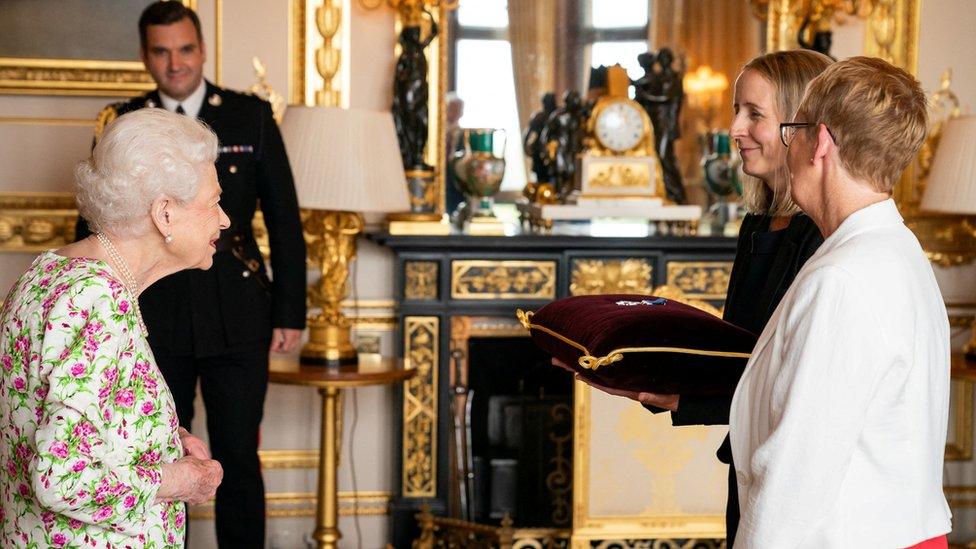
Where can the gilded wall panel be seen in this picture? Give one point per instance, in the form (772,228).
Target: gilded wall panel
(638,478)
(419,475)
(611,276)
(503,279)
(33,222)
(700,279)
(420,280)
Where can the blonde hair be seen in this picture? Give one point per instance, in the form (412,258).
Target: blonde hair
(142,155)
(788,72)
(876,113)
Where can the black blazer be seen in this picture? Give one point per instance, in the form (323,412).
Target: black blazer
(801,240)
(203,313)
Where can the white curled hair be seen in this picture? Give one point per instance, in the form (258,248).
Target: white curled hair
(141,156)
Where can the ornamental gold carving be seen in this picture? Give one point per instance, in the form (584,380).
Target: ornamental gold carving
(700,279)
(657,544)
(611,276)
(328,58)
(559,481)
(33,222)
(302,504)
(960,448)
(421,280)
(619,175)
(419,477)
(481,279)
(20,77)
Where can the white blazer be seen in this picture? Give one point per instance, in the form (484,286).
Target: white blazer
(839,421)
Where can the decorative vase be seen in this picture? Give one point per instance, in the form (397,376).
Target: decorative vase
(478,171)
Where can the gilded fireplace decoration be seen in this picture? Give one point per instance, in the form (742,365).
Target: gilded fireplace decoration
(700,279)
(421,280)
(503,279)
(420,336)
(611,276)
(650,528)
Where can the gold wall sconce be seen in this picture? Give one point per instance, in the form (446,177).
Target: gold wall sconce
(704,88)
(411,11)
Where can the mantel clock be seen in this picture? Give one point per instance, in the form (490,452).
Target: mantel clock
(618,160)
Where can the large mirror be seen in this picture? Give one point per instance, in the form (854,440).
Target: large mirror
(503,55)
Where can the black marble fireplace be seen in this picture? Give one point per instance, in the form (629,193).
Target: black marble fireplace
(457,297)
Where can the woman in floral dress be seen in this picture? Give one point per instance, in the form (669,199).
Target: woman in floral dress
(91,454)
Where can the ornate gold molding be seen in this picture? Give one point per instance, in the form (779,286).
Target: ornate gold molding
(66,77)
(419,476)
(39,121)
(296,47)
(611,276)
(302,504)
(590,531)
(670,292)
(961,446)
(33,222)
(781,25)
(289,459)
(420,280)
(891,32)
(700,279)
(328,58)
(960,497)
(503,279)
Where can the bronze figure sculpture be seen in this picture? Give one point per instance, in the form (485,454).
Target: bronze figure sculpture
(410,92)
(532,143)
(661,93)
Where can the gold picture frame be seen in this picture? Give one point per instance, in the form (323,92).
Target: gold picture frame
(39,75)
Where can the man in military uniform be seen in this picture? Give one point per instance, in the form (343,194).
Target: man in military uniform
(217,326)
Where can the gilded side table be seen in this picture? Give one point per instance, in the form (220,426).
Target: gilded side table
(330,384)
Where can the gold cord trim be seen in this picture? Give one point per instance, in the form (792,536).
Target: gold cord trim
(592,362)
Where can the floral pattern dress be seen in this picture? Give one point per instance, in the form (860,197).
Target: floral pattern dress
(86,420)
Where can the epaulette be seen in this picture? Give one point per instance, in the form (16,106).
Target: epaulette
(105,117)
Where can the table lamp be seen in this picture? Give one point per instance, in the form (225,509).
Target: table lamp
(345,162)
(951,184)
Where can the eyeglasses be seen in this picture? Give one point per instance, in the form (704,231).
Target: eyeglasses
(787,130)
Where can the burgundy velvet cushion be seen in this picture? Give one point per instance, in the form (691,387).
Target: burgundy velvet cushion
(642,343)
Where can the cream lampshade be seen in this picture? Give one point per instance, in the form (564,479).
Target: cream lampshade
(345,162)
(951,184)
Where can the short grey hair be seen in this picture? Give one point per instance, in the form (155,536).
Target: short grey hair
(141,155)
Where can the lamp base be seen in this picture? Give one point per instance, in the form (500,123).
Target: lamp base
(329,345)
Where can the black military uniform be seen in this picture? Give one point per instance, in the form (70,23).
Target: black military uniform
(216,325)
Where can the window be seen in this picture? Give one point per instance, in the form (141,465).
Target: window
(615,31)
(485,81)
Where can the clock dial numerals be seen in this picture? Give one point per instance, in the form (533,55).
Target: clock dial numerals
(620,127)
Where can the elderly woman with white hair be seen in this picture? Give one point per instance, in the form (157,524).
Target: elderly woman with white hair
(838,424)
(90,448)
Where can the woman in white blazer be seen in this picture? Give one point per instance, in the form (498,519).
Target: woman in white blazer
(838,424)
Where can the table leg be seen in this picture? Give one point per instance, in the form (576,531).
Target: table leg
(327,533)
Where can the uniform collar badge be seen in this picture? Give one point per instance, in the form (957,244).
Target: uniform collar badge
(215,100)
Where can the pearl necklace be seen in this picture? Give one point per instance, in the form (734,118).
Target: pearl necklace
(130,281)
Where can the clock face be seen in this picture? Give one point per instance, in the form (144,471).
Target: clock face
(619,126)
